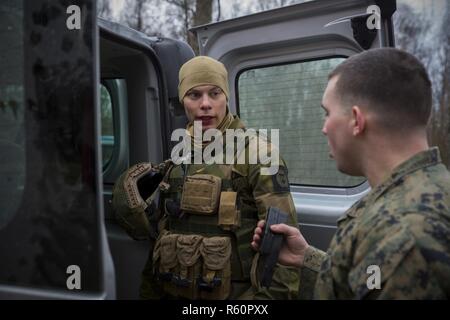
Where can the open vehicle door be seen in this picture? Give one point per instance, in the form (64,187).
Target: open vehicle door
(139,110)
(52,237)
(279,61)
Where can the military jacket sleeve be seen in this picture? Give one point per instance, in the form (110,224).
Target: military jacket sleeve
(273,190)
(402,264)
(368,268)
(405,264)
(308,273)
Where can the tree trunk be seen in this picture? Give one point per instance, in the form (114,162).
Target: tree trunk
(202,15)
(139,14)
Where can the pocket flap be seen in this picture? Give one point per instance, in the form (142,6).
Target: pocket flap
(216,252)
(157,247)
(168,251)
(188,249)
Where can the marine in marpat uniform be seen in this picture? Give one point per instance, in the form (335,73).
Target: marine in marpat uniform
(403,228)
(206,213)
(395,242)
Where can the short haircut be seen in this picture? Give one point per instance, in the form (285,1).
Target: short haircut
(392,83)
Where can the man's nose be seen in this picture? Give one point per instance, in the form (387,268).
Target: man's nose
(205,102)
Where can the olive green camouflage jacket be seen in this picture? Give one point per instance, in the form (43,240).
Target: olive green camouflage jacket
(399,232)
(256,193)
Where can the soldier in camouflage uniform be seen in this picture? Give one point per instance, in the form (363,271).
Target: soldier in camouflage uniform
(208,211)
(378,104)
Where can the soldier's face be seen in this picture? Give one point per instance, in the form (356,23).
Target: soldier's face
(337,128)
(207,104)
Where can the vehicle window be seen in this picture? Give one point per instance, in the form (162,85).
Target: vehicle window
(12,153)
(49,212)
(107,125)
(288,97)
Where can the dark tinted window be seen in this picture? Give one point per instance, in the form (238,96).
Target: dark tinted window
(48,197)
(12,151)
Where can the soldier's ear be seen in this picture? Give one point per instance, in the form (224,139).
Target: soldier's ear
(358,121)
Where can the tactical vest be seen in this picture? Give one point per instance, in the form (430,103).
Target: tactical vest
(209,225)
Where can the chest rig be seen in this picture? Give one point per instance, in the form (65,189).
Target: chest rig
(205,241)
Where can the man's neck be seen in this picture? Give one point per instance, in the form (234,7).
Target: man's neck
(383,158)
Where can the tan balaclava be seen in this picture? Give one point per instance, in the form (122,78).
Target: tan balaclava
(201,71)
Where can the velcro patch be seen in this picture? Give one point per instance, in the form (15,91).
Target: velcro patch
(280,180)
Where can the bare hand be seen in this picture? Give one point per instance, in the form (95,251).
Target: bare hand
(292,252)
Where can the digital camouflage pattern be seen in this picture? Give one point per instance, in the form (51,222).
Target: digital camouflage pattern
(402,226)
(255,193)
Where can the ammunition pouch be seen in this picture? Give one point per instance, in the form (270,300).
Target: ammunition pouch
(229,215)
(193,266)
(215,280)
(165,254)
